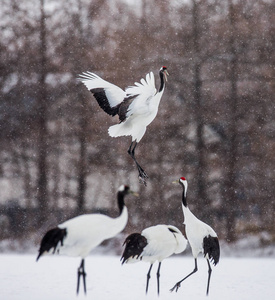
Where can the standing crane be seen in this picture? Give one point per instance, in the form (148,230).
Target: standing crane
(201,237)
(78,236)
(136,107)
(153,244)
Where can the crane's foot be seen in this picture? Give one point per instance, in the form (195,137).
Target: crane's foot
(142,180)
(142,176)
(175,287)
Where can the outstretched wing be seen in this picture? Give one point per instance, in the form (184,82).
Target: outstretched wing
(146,88)
(107,95)
(143,91)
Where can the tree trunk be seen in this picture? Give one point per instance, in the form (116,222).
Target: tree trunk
(230,200)
(197,86)
(82,165)
(42,183)
(83,119)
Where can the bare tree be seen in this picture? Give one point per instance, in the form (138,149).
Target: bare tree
(214,125)
(198,106)
(42,147)
(231,151)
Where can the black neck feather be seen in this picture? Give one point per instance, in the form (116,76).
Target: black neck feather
(120,201)
(161,81)
(184,200)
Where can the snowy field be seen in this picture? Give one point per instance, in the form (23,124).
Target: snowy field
(22,278)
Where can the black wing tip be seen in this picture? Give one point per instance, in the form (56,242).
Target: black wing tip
(211,248)
(123,259)
(103,102)
(51,240)
(134,245)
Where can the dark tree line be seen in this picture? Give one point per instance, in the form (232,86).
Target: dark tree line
(215,124)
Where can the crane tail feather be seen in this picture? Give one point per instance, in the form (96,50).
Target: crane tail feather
(134,245)
(211,249)
(51,240)
(119,130)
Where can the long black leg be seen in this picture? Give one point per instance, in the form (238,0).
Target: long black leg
(81,272)
(131,151)
(177,285)
(158,275)
(209,275)
(142,175)
(148,278)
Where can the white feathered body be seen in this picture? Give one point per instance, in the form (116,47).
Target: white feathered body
(86,232)
(196,231)
(136,123)
(161,243)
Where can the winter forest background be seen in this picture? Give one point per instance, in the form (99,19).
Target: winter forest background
(215,124)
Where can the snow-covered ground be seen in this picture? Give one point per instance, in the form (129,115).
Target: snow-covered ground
(53,277)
